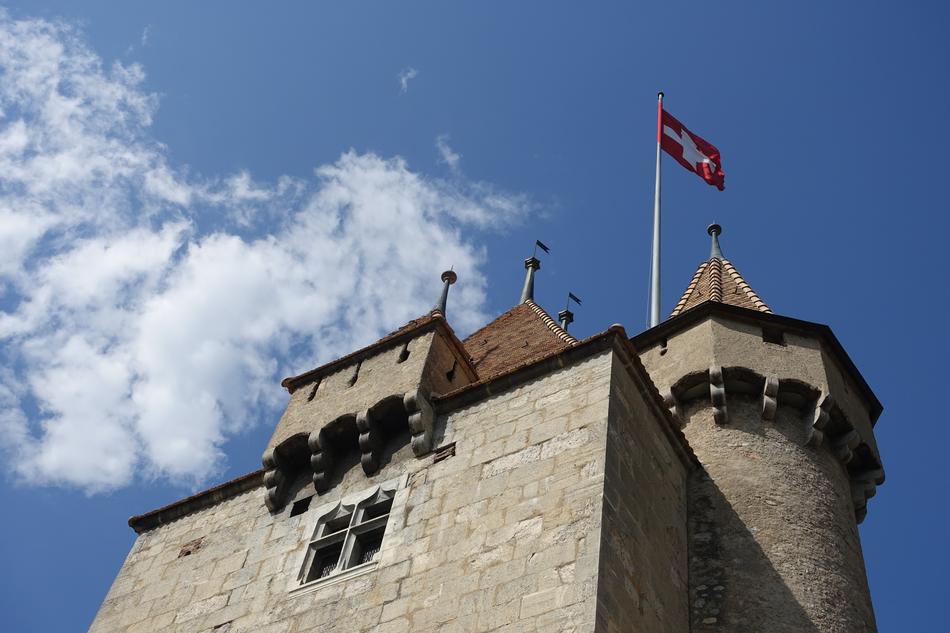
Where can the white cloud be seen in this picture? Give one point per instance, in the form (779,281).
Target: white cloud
(446,154)
(404,76)
(146,32)
(134,339)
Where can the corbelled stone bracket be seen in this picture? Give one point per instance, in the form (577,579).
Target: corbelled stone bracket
(770,398)
(275,480)
(844,445)
(864,486)
(671,403)
(421,422)
(815,432)
(321,460)
(371,440)
(717,395)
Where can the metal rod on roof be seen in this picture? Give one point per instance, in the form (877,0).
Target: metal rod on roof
(448,278)
(531,265)
(566,316)
(527,292)
(715,231)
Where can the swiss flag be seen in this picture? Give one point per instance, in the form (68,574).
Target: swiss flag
(691,151)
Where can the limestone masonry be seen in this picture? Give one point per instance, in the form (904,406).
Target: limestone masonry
(705,475)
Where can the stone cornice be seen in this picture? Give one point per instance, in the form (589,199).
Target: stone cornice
(196,502)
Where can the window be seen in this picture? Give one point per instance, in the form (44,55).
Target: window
(347,537)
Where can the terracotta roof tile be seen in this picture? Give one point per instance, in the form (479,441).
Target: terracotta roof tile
(718,280)
(519,336)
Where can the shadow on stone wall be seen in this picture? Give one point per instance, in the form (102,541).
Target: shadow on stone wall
(733,585)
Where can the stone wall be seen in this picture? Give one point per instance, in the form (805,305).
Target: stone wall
(503,536)
(643,583)
(773,541)
(354,387)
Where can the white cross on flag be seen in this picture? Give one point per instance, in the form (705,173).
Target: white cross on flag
(691,151)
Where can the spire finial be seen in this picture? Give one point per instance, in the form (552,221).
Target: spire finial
(565,316)
(532,264)
(715,231)
(527,292)
(448,278)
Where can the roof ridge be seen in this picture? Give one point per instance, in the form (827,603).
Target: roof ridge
(760,305)
(553,325)
(715,280)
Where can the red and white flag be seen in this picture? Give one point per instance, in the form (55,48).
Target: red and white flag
(691,151)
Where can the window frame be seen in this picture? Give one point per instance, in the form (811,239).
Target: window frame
(348,538)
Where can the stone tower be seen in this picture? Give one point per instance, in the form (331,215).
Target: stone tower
(524,480)
(782,423)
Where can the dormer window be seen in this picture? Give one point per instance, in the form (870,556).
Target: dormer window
(348,537)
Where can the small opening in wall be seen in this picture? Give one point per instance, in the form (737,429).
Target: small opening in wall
(444,452)
(190,547)
(301,506)
(356,374)
(404,353)
(663,344)
(450,374)
(773,335)
(313,391)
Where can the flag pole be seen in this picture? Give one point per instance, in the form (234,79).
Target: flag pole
(655,265)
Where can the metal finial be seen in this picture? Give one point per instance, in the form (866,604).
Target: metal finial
(714,231)
(448,278)
(566,317)
(531,264)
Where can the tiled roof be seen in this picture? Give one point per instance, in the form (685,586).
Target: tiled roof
(718,280)
(520,335)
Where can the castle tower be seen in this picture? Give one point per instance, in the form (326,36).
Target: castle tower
(782,423)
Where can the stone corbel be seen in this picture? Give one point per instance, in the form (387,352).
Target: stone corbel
(421,422)
(669,400)
(815,432)
(769,398)
(321,460)
(863,487)
(717,394)
(371,441)
(275,481)
(844,445)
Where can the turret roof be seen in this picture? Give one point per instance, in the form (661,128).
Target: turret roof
(522,334)
(717,279)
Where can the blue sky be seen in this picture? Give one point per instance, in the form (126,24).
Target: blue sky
(197,199)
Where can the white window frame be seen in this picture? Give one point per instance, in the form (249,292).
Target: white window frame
(349,537)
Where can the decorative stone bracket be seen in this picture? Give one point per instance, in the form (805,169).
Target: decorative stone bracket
(717,394)
(770,398)
(275,481)
(280,464)
(421,422)
(371,440)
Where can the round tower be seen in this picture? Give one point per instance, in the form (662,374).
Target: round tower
(782,423)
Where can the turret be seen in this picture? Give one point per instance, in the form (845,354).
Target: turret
(782,423)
